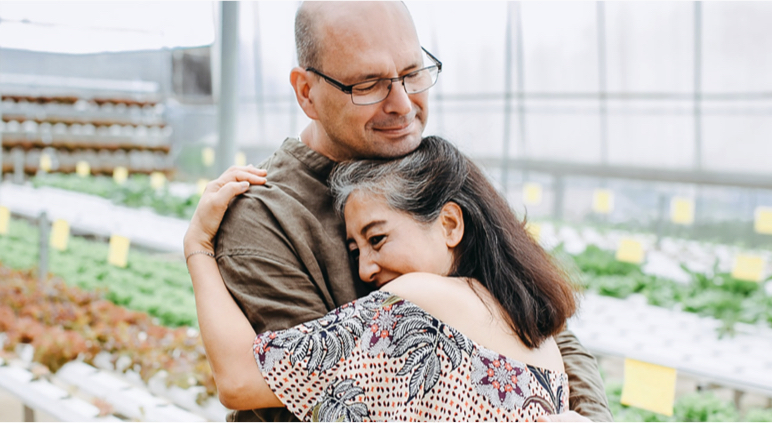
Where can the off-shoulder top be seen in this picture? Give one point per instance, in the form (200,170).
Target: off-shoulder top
(382,357)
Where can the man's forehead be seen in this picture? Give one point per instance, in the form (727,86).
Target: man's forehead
(336,12)
(364,36)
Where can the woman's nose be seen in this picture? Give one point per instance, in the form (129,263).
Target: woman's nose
(368,269)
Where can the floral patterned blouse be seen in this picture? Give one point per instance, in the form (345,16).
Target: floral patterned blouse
(384,358)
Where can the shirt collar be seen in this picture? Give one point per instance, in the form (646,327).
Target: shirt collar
(317,163)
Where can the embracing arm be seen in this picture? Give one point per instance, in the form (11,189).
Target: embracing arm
(228,339)
(226,332)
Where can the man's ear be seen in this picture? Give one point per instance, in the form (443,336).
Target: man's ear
(452,220)
(299,78)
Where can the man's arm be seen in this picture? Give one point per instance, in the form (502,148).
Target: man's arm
(272,292)
(274,276)
(587,394)
(274,257)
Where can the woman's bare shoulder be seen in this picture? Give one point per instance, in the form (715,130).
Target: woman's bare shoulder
(431,292)
(416,284)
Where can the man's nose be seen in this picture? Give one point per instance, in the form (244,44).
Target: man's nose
(398,101)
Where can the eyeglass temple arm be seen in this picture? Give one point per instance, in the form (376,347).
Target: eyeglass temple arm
(436,60)
(345,88)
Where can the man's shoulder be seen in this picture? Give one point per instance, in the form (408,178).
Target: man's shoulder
(294,203)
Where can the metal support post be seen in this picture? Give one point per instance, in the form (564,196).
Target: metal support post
(602,91)
(521,85)
(738,397)
(228,104)
(559,191)
(507,99)
(753,238)
(259,92)
(44,230)
(18,166)
(698,85)
(661,215)
(29,414)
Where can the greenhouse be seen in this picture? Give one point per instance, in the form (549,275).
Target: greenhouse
(631,140)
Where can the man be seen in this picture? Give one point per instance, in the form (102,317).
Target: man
(282,250)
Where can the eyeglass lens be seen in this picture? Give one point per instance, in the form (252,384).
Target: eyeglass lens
(376,91)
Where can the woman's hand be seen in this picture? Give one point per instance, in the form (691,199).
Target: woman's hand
(213,203)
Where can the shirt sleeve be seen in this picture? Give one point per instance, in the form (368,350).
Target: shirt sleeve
(266,262)
(587,394)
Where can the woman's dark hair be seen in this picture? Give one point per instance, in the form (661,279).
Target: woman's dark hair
(496,249)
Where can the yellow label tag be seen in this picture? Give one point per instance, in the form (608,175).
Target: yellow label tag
(534,229)
(682,211)
(202,186)
(120,174)
(241,159)
(603,201)
(532,194)
(763,220)
(157,180)
(649,386)
(60,234)
(5,220)
(119,251)
(83,169)
(207,156)
(45,162)
(630,251)
(748,268)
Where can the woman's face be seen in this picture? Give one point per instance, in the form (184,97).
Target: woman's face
(390,243)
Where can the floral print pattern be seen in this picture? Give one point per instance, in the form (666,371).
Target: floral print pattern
(503,381)
(384,358)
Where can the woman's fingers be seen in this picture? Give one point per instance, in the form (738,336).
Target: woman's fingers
(248,168)
(215,200)
(238,174)
(224,195)
(242,173)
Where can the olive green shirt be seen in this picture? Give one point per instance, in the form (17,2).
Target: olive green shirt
(282,253)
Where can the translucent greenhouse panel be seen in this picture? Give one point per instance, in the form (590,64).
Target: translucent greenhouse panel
(560,46)
(737,142)
(275,22)
(644,57)
(651,134)
(476,127)
(737,46)
(563,130)
(468,37)
(264,127)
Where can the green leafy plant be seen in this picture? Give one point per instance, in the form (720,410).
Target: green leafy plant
(716,294)
(702,406)
(159,287)
(136,191)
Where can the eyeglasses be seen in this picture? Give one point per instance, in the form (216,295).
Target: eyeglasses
(376,90)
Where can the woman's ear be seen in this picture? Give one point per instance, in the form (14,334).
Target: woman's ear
(301,85)
(452,220)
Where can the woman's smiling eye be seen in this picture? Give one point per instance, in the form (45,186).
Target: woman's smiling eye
(375,240)
(353,252)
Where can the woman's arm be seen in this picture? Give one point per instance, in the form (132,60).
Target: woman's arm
(226,332)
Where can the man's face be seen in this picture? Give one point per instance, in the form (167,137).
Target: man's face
(373,41)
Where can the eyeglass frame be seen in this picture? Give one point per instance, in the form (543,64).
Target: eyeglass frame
(348,89)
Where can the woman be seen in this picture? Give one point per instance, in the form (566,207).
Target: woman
(466,298)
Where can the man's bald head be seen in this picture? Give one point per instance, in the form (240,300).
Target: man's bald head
(349,43)
(317,20)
